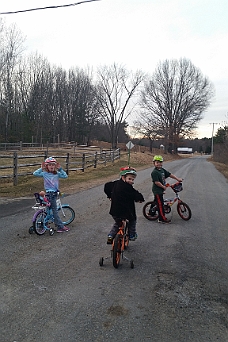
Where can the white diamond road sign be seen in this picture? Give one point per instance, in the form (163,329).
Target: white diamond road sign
(130,145)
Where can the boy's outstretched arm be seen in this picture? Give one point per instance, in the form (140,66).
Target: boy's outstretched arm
(175,177)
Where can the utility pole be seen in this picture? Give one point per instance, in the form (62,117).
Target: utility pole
(212,137)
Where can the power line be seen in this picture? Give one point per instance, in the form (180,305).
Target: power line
(48,7)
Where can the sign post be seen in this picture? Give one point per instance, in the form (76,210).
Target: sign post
(129,145)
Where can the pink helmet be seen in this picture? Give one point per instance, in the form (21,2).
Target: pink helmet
(50,160)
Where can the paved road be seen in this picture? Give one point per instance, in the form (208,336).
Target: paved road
(53,289)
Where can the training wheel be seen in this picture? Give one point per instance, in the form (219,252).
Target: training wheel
(31,230)
(132,264)
(51,231)
(101,261)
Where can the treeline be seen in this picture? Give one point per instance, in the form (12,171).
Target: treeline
(40,102)
(43,103)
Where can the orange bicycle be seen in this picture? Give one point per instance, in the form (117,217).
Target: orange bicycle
(119,244)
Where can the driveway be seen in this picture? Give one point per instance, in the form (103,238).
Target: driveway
(53,289)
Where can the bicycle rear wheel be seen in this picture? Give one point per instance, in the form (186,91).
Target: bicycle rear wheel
(66,214)
(150,211)
(39,223)
(117,251)
(184,211)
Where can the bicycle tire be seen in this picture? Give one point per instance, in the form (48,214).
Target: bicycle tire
(39,223)
(117,251)
(146,211)
(184,211)
(66,214)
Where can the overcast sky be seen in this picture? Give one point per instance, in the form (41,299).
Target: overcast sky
(137,34)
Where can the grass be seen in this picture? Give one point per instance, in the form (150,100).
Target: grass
(223,168)
(78,180)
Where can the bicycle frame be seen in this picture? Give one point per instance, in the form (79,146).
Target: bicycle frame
(123,236)
(119,244)
(171,201)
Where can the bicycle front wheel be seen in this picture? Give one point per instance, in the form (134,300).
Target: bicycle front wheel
(66,214)
(126,236)
(39,223)
(150,211)
(184,211)
(117,251)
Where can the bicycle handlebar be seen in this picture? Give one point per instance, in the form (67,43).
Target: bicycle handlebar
(172,185)
(176,187)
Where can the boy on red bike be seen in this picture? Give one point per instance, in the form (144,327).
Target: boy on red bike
(159,175)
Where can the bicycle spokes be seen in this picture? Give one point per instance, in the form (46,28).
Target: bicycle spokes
(184,211)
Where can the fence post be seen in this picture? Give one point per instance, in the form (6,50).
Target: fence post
(67,163)
(95,160)
(15,168)
(105,158)
(21,145)
(75,146)
(83,162)
(112,156)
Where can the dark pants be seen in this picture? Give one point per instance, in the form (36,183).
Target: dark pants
(117,224)
(160,204)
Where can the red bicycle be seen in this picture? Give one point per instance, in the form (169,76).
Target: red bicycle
(150,209)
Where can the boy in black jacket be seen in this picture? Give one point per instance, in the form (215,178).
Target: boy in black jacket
(123,197)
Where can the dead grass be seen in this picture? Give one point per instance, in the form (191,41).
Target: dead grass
(78,180)
(223,168)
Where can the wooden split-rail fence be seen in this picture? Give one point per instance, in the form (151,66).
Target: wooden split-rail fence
(74,162)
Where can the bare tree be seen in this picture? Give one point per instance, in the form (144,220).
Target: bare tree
(10,52)
(115,90)
(58,104)
(176,96)
(83,105)
(147,126)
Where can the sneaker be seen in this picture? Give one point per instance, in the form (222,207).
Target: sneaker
(63,229)
(164,221)
(133,237)
(110,239)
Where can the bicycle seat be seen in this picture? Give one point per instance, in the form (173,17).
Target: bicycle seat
(39,199)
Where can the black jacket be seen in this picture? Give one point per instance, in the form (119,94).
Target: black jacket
(123,197)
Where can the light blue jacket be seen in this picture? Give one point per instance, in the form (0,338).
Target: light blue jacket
(51,180)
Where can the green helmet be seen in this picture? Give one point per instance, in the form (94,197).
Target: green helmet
(158,158)
(127,170)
